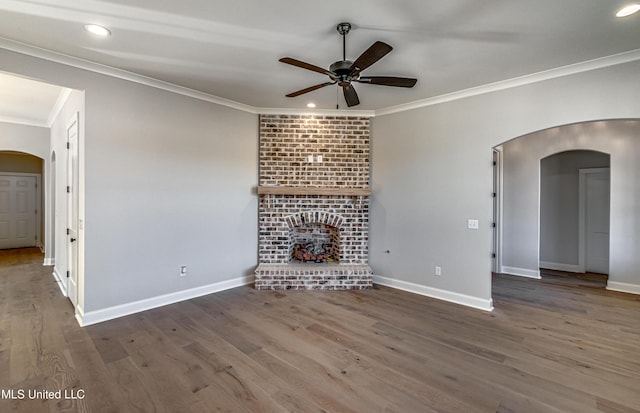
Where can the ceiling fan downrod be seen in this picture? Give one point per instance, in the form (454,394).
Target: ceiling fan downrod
(343,29)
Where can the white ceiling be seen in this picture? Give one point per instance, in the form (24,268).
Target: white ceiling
(28,101)
(230,49)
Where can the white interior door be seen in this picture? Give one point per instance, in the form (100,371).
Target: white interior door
(18,211)
(596,219)
(72,210)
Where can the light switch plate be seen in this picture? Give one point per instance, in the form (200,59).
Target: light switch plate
(472,224)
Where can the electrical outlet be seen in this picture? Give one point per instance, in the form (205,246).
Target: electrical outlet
(183,271)
(437,271)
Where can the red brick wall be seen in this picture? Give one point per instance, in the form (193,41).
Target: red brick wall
(286,142)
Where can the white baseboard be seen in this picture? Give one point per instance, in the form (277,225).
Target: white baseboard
(561,267)
(467,300)
(521,272)
(49,261)
(105,314)
(60,281)
(623,287)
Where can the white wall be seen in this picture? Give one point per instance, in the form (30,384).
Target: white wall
(431,171)
(559,206)
(621,139)
(33,140)
(73,105)
(167,182)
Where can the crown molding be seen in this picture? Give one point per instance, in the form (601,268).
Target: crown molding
(321,112)
(119,73)
(599,63)
(22,121)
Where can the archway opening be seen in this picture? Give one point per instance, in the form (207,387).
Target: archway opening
(575,213)
(520,225)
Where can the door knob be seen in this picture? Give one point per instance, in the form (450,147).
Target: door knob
(72,240)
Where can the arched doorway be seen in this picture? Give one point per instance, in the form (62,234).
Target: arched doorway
(521,195)
(574,211)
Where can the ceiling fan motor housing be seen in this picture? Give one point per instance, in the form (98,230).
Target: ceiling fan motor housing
(342,71)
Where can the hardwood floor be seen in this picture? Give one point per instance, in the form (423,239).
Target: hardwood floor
(550,345)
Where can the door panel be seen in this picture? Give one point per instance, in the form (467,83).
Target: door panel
(597,222)
(72,210)
(17,211)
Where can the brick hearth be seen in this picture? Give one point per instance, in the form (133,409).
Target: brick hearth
(298,192)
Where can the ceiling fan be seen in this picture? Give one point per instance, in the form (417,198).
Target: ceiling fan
(344,72)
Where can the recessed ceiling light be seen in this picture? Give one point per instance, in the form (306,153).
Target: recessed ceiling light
(97,30)
(628,10)
(311,105)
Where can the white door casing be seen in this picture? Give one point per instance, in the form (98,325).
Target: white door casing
(18,210)
(594,219)
(497,210)
(72,209)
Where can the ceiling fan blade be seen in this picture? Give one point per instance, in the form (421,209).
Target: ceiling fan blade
(309,89)
(304,65)
(350,95)
(388,81)
(374,53)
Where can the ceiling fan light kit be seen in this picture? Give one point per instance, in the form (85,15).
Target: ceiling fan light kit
(344,72)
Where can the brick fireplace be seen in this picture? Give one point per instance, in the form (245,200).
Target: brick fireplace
(313,202)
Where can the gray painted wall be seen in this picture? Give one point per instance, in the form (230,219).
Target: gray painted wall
(559,202)
(431,170)
(168,182)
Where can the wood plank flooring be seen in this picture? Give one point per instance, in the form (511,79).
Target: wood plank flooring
(560,344)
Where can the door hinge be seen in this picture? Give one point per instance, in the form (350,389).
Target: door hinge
(493,255)
(493,194)
(493,224)
(68,145)
(68,189)
(68,231)
(494,163)
(67,274)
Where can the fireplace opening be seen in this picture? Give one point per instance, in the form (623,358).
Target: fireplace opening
(314,243)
